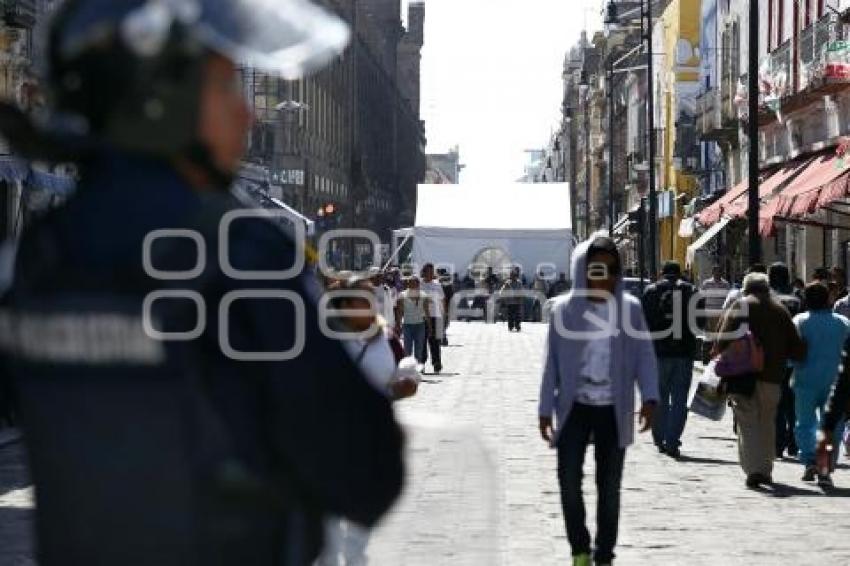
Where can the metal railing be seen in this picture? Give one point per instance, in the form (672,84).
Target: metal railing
(815,45)
(777,76)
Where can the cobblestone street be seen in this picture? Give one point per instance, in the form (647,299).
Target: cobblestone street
(482,489)
(696,511)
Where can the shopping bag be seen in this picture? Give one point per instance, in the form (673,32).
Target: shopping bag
(709,400)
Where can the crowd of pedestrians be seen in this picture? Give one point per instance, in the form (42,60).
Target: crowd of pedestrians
(776,347)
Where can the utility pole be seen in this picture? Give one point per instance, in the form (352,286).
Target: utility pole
(753,131)
(587,164)
(646,6)
(611,145)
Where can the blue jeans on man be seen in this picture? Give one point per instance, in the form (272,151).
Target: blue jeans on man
(414,341)
(599,424)
(674,383)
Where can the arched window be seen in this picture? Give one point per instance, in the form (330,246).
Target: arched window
(497,258)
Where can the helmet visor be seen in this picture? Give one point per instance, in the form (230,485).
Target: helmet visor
(286,37)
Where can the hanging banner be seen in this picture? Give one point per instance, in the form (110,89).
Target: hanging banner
(836,62)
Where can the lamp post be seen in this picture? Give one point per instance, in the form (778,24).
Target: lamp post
(612,19)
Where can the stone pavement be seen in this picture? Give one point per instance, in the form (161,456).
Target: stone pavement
(482,488)
(692,512)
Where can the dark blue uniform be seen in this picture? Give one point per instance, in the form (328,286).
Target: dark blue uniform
(149,452)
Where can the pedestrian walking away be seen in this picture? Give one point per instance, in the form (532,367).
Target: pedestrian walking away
(755,397)
(665,305)
(786,419)
(715,288)
(433,291)
(181,451)
(512,298)
(825,334)
(588,385)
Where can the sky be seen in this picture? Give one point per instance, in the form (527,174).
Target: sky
(491,78)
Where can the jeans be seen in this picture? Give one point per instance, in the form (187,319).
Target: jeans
(434,339)
(601,423)
(414,341)
(674,383)
(514,316)
(786,419)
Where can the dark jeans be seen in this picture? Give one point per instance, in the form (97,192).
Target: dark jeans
(786,418)
(674,384)
(514,316)
(434,339)
(601,424)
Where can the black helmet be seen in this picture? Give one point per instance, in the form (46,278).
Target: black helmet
(128,73)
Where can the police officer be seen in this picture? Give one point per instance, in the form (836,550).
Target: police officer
(180,403)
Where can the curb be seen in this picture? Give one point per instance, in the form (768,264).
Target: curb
(9,436)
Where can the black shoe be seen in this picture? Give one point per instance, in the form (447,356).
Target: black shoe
(753,481)
(674,453)
(661,449)
(438,369)
(810,474)
(825,482)
(793,451)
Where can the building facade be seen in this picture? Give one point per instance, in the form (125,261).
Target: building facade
(349,136)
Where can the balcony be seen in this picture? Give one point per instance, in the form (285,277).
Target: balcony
(19,13)
(710,123)
(821,68)
(822,50)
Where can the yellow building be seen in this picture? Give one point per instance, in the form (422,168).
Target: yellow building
(676,87)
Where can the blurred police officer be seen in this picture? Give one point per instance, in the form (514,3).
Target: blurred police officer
(213,446)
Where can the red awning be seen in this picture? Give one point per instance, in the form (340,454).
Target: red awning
(739,207)
(711,214)
(801,197)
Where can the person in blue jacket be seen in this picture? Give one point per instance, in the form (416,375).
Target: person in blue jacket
(825,334)
(180,402)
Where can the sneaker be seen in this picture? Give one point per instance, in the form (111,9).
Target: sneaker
(582,560)
(825,481)
(810,474)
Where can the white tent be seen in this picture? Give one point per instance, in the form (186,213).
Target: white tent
(527,225)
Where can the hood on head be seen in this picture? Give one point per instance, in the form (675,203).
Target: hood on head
(578,268)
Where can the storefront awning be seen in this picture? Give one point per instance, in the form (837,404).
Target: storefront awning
(713,213)
(705,238)
(824,180)
(739,207)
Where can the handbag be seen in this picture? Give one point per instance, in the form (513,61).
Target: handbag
(744,356)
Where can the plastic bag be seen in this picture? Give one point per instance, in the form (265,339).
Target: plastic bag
(709,401)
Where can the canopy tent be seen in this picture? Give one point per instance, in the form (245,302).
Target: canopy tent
(525,225)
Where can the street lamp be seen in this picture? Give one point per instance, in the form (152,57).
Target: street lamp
(612,20)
